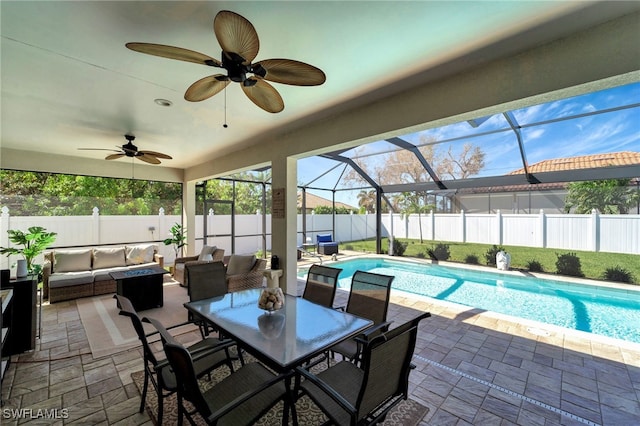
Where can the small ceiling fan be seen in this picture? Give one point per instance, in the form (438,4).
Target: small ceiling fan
(240,45)
(130,150)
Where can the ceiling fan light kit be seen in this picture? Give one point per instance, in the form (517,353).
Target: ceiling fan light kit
(240,44)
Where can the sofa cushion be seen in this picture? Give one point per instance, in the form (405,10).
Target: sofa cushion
(138,254)
(207,251)
(240,264)
(72,260)
(108,257)
(103,274)
(324,238)
(68,279)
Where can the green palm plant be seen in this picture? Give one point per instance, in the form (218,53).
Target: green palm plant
(33,242)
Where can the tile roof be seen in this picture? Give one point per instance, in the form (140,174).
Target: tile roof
(624,158)
(314,201)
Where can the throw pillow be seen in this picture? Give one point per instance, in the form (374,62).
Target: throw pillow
(140,254)
(108,257)
(207,253)
(72,260)
(239,264)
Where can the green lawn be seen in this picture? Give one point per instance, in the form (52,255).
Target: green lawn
(593,264)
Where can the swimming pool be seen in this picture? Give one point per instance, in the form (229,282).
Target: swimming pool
(594,309)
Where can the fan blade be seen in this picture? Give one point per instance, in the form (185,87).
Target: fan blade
(236,34)
(206,88)
(263,94)
(99,149)
(288,71)
(156,154)
(114,156)
(148,159)
(172,52)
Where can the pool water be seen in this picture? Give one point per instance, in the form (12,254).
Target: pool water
(594,309)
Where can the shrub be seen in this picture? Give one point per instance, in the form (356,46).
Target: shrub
(440,252)
(569,264)
(472,259)
(618,273)
(399,247)
(534,266)
(421,255)
(490,255)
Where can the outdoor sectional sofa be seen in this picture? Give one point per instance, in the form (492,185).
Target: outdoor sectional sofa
(71,274)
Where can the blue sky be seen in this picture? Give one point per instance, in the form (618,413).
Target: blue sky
(614,131)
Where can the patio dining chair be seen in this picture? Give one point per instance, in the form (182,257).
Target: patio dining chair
(205,280)
(321,285)
(350,395)
(368,298)
(210,353)
(239,399)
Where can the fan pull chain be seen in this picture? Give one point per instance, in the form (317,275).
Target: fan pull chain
(225,107)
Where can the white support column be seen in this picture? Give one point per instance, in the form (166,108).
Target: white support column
(189,215)
(283,229)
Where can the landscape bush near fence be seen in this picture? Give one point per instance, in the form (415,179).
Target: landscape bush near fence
(594,232)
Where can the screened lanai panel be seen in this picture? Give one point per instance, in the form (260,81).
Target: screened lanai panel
(321,172)
(593,102)
(464,129)
(600,129)
(492,154)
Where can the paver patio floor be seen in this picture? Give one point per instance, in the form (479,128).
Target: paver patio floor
(473,367)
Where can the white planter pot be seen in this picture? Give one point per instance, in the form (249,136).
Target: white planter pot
(21,271)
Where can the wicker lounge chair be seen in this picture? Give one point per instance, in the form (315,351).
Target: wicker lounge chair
(208,354)
(350,395)
(217,255)
(247,277)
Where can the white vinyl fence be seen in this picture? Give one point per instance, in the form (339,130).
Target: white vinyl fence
(594,232)
(591,232)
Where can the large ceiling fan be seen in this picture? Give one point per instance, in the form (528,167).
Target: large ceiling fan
(130,150)
(240,44)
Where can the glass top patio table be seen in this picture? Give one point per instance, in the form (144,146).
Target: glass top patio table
(283,339)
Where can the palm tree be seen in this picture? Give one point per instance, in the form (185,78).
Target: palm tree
(414,202)
(367,199)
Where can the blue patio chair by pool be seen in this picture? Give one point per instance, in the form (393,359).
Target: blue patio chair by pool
(326,245)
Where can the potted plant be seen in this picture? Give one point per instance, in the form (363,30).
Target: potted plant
(177,238)
(33,242)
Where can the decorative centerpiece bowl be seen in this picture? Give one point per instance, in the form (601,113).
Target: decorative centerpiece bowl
(271,299)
